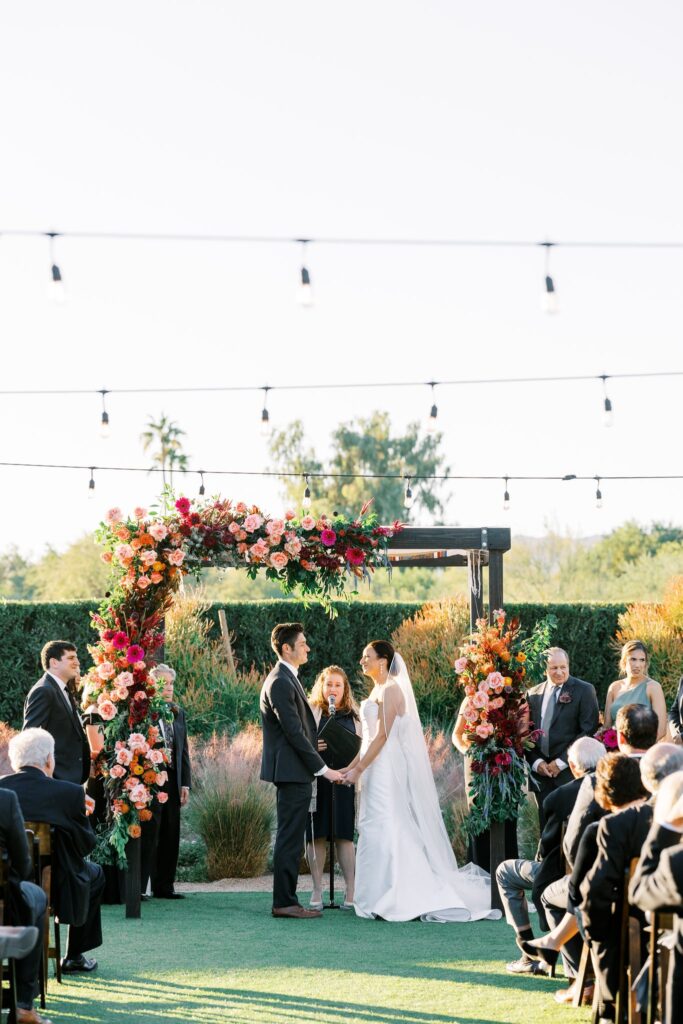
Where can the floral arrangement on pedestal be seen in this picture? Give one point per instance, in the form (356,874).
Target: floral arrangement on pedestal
(494,669)
(149,553)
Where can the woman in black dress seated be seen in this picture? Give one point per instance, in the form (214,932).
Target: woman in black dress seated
(332,682)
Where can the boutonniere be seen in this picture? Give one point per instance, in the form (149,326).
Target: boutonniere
(565,698)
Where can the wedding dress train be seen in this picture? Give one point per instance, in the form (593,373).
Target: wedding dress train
(405,866)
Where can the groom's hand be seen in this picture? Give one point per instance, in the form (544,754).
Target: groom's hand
(332,775)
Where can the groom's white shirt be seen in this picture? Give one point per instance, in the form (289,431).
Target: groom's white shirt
(294,669)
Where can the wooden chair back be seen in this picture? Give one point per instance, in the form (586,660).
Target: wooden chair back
(43,834)
(658,969)
(630,955)
(8,995)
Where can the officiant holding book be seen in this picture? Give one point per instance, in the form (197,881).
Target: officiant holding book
(335,810)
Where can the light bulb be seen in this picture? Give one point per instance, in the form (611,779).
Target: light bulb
(104,424)
(55,289)
(305,294)
(607,417)
(202,488)
(506,497)
(550,301)
(306,500)
(408,497)
(91,487)
(265,423)
(431,422)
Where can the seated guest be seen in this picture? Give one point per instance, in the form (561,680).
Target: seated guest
(51,705)
(161,834)
(636,687)
(620,838)
(515,877)
(636,728)
(676,714)
(618,786)
(77,883)
(658,881)
(28,904)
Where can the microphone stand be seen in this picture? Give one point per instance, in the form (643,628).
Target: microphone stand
(330,830)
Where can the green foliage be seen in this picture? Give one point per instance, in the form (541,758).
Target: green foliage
(77,574)
(585,631)
(14,570)
(365,446)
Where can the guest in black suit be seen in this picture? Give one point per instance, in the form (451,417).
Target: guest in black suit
(676,714)
(658,881)
(78,884)
(620,838)
(291,761)
(636,727)
(564,708)
(161,835)
(51,705)
(618,786)
(516,877)
(28,904)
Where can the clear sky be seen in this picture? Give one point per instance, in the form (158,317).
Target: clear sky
(530,120)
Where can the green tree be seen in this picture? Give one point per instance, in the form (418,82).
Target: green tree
(364,446)
(168,454)
(14,569)
(74,575)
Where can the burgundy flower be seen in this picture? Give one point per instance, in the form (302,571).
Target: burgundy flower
(354,556)
(565,698)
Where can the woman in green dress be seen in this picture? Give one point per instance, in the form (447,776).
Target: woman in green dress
(636,687)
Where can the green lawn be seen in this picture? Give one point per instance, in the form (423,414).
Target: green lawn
(219,958)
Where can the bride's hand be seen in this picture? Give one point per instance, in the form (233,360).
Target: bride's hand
(351,777)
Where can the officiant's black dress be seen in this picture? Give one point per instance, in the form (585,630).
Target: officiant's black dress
(318,824)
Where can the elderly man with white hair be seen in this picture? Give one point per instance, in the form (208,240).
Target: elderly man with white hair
(516,877)
(77,883)
(621,837)
(161,835)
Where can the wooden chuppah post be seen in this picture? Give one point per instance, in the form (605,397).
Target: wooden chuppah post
(497,831)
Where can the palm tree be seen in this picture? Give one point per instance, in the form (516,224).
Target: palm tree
(169,455)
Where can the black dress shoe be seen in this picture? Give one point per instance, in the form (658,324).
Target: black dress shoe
(145,898)
(169,896)
(79,963)
(547,956)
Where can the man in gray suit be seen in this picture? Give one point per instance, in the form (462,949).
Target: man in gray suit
(291,761)
(563,708)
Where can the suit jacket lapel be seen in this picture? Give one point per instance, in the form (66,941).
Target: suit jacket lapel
(566,688)
(296,683)
(68,709)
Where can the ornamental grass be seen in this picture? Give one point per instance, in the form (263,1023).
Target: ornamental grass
(660,628)
(429,643)
(6,734)
(449,778)
(231,809)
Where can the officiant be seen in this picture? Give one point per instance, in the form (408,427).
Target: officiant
(331,691)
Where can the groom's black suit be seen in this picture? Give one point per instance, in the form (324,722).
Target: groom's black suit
(290,760)
(47,708)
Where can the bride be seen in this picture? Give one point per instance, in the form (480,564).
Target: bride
(405,867)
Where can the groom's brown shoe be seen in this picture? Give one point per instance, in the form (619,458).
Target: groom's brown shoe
(295,911)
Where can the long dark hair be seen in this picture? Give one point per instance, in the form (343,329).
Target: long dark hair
(383,649)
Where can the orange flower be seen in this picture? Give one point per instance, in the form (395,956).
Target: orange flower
(138,769)
(145,815)
(136,544)
(124,807)
(134,831)
(147,540)
(521,656)
(150,777)
(159,567)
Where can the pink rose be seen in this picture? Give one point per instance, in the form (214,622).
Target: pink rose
(106,670)
(139,513)
(123,552)
(162,778)
(144,582)
(162,797)
(293,547)
(470,715)
(139,793)
(156,577)
(125,679)
(289,515)
(158,531)
(241,535)
(278,559)
(136,741)
(480,700)
(275,526)
(234,527)
(106,556)
(148,556)
(117,771)
(114,515)
(484,730)
(259,549)
(308,523)
(461,665)
(240,507)
(124,756)
(274,539)
(175,557)
(107,710)
(483,686)
(497,702)
(495,680)
(156,756)
(252,522)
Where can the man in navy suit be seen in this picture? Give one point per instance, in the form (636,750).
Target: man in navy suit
(291,761)
(564,708)
(51,705)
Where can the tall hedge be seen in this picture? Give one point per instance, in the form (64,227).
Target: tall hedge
(586,631)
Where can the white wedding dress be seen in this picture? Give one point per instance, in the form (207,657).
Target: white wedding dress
(405,866)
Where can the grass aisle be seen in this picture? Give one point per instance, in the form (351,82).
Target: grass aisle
(219,958)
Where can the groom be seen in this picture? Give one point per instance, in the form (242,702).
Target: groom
(291,761)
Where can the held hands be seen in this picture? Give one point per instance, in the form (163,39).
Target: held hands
(351,776)
(89,804)
(332,775)
(549,770)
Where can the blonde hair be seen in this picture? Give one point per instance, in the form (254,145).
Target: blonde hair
(317,700)
(629,647)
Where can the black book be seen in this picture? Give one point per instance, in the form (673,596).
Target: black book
(342,745)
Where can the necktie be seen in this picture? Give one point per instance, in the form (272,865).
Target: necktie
(547,720)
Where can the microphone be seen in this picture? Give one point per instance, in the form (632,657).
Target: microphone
(330,705)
